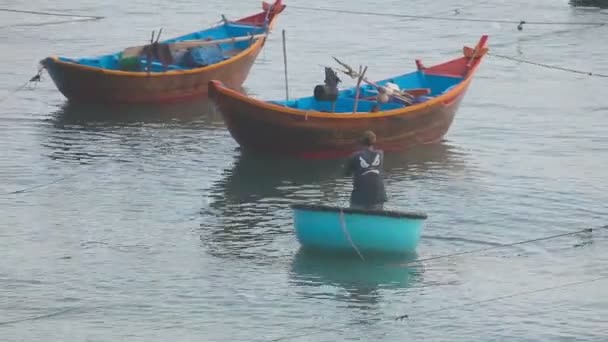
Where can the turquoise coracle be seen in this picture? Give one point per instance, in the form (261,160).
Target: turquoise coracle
(342,229)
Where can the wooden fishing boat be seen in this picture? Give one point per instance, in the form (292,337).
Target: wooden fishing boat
(420,109)
(169,70)
(342,230)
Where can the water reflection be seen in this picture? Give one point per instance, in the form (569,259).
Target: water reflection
(589,3)
(359,282)
(184,113)
(255,177)
(82,132)
(248,207)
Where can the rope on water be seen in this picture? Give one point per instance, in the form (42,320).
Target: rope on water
(517,294)
(35,318)
(55,181)
(35,78)
(347,234)
(548,66)
(50,23)
(478,302)
(50,13)
(81,18)
(520,23)
(483,301)
(586,230)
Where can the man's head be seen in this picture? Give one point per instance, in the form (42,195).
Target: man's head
(368,138)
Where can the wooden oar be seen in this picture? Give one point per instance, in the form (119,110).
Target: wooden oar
(137,50)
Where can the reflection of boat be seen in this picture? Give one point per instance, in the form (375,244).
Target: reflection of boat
(314,267)
(255,176)
(361,279)
(407,110)
(191,112)
(357,230)
(85,132)
(169,70)
(590,3)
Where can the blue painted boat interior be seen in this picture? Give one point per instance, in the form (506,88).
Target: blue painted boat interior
(346,99)
(193,58)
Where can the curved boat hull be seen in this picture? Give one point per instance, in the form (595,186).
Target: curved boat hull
(83,83)
(87,85)
(342,229)
(270,127)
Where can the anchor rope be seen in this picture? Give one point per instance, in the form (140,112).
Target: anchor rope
(431,17)
(517,294)
(550,237)
(54,181)
(588,73)
(54,14)
(36,78)
(50,23)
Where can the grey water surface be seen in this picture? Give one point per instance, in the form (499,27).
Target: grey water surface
(148,224)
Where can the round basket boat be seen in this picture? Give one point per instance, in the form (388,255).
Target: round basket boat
(338,229)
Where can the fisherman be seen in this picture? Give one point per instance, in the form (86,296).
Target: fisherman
(365,166)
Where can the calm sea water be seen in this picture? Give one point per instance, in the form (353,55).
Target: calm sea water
(148,224)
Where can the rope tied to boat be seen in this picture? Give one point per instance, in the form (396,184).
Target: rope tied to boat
(347,234)
(544,238)
(548,66)
(519,23)
(74,18)
(36,78)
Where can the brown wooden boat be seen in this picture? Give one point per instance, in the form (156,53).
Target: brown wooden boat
(170,70)
(420,109)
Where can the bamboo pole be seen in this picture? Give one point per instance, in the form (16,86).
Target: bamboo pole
(285,67)
(361,75)
(136,50)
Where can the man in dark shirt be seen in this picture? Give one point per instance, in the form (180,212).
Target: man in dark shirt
(365,166)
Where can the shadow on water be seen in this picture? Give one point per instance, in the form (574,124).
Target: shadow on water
(360,280)
(590,3)
(249,206)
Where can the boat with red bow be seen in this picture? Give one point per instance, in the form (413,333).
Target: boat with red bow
(404,111)
(171,70)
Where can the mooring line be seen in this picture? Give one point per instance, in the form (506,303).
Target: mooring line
(35,318)
(46,23)
(520,23)
(517,294)
(443,256)
(54,14)
(478,302)
(588,73)
(55,181)
(35,78)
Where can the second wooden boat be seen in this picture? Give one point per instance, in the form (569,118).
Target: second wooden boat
(404,111)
